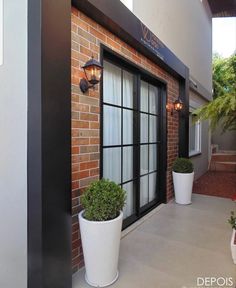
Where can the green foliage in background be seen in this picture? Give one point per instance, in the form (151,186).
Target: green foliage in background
(222,110)
(103,200)
(183,165)
(232,220)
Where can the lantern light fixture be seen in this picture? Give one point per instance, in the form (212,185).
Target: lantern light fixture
(177,106)
(93,71)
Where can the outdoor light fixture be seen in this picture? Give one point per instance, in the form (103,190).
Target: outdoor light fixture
(93,72)
(177,106)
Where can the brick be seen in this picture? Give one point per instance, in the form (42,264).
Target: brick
(87,181)
(75,193)
(83,174)
(75,150)
(113,44)
(83,141)
(94,172)
(75,227)
(97,34)
(94,156)
(75,185)
(89,100)
(80,124)
(94,140)
(86,51)
(88,165)
(75,202)
(86,35)
(94,47)
(95,109)
(94,92)
(88,149)
(88,117)
(89,133)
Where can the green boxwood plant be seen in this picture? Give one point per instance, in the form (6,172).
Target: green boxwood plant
(232,220)
(183,165)
(103,200)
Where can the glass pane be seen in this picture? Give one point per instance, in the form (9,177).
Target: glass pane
(129,206)
(111,125)
(152,186)
(111,84)
(152,157)
(153,128)
(143,159)
(144,96)
(153,99)
(127,89)
(112,164)
(192,134)
(127,127)
(144,128)
(143,190)
(127,163)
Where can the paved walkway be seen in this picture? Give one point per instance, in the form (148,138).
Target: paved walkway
(175,246)
(221,184)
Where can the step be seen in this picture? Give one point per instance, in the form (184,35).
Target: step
(223,157)
(223,166)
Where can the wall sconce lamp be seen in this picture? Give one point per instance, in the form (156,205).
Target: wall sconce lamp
(93,72)
(177,106)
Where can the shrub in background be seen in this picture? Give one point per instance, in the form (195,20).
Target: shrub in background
(232,220)
(103,200)
(183,165)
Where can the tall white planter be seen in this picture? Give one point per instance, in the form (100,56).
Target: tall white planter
(101,245)
(233,246)
(183,184)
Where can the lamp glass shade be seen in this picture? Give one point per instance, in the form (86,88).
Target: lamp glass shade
(178,105)
(93,71)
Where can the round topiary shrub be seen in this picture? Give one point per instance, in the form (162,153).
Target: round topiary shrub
(183,165)
(103,200)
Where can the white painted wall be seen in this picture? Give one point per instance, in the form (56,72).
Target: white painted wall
(185,26)
(13,147)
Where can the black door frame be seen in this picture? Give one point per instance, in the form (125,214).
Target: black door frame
(122,62)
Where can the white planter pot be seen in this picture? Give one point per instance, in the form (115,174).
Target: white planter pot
(101,245)
(183,184)
(233,246)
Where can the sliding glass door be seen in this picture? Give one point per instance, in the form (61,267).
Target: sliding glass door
(130,137)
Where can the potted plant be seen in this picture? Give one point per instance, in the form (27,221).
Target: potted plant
(183,180)
(232,222)
(100,227)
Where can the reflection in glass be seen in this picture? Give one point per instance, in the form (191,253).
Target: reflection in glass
(153,99)
(111,83)
(144,128)
(129,206)
(111,125)
(127,89)
(143,159)
(152,128)
(112,164)
(144,96)
(127,127)
(152,157)
(143,190)
(127,163)
(152,186)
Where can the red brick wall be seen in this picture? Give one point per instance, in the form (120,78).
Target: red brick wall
(86,38)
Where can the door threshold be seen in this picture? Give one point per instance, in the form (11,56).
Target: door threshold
(139,222)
